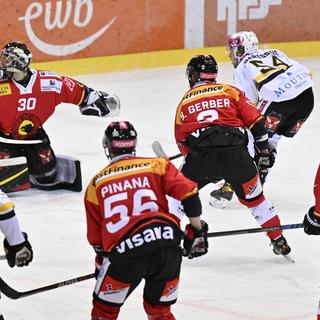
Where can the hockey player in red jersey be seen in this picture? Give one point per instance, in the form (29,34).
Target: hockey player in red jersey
(130,227)
(210,132)
(312,218)
(28,99)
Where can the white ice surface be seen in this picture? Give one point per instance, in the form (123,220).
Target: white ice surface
(240,278)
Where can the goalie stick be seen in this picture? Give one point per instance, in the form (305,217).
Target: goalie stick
(13,141)
(158,150)
(12,161)
(14,294)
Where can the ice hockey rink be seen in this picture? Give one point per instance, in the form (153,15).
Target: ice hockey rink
(240,277)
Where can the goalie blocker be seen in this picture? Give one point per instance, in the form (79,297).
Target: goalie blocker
(14,175)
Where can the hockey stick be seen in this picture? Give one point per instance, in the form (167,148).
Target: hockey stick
(158,150)
(13,141)
(12,161)
(13,294)
(254,230)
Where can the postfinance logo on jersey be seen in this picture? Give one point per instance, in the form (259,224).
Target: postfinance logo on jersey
(5,89)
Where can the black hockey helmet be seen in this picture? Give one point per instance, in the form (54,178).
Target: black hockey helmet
(120,137)
(15,57)
(202,68)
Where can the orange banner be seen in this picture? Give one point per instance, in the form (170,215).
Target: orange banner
(74,29)
(69,29)
(271,20)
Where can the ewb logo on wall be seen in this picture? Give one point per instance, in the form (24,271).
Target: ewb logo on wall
(81,13)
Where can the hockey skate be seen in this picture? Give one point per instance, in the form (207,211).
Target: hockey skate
(220,197)
(280,246)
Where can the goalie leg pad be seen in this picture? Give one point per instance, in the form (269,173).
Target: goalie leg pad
(68,176)
(14,174)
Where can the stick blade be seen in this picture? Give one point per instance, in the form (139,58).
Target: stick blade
(8,291)
(158,150)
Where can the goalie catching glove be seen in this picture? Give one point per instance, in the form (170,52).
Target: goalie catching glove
(195,243)
(100,104)
(311,222)
(19,255)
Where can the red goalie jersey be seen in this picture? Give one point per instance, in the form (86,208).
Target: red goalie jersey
(209,104)
(23,110)
(128,196)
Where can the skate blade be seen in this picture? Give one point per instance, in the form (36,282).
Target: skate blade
(288,258)
(220,204)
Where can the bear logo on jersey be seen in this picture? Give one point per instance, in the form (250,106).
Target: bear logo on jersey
(26,125)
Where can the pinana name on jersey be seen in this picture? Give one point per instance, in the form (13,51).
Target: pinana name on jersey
(134,183)
(148,235)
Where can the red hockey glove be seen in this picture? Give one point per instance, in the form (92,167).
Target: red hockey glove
(195,243)
(311,222)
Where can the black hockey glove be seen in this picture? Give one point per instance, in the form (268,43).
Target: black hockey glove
(19,255)
(100,255)
(100,104)
(195,242)
(311,223)
(264,159)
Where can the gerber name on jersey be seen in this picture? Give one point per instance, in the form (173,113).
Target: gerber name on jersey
(209,104)
(147,236)
(50,85)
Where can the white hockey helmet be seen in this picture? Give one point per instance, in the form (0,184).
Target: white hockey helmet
(241,43)
(15,57)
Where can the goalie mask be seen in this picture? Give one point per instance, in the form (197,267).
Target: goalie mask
(15,57)
(119,138)
(241,43)
(202,68)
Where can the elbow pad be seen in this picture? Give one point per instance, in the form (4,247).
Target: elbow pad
(192,206)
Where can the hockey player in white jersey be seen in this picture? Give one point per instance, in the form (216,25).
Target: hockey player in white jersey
(16,245)
(280,86)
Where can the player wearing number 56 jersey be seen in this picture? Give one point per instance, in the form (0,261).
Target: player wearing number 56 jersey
(280,87)
(129,223)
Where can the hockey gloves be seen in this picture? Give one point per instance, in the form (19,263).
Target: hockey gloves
(195,243)
(264,159)
(100,104)
(98,261)
(19,255)
(311,222)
